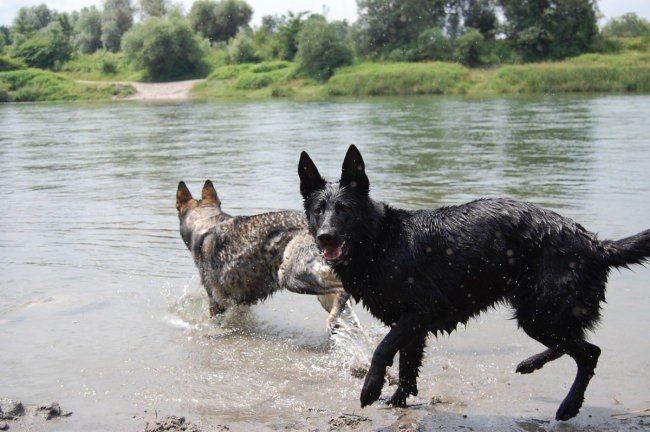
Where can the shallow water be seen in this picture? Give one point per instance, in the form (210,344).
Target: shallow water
(102,311)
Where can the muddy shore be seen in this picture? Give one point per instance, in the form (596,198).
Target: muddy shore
(437,415)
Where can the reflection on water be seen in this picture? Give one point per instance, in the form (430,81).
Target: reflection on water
(102,309)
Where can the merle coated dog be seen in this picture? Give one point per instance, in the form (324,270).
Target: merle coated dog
(245,259)
(429,270)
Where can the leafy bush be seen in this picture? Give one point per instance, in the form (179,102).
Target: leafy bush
(9,64)
(43,53)
(469,46)
(48,48)
(253,81)
(100,65)
(166,49)
(37,85)
(270,66)
(242,49)
(627,26)
(4,93)
(323,47)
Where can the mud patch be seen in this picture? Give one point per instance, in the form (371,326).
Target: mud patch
(16,416)
(172,424)
(346,421)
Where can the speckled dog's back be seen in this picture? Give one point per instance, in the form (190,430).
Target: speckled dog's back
(244,259)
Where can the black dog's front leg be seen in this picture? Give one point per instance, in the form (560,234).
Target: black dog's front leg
(410,360)
(407,331)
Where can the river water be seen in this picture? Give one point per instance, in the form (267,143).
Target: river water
(102,310)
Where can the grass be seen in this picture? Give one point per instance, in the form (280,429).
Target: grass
(100,66)
(388,79)
(629,72)
(260,80)
(28,85)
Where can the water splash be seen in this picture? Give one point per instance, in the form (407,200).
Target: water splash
(352,341)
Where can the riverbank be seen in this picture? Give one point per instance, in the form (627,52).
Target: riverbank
(590,73)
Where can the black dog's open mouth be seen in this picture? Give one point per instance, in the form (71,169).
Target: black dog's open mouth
(333,253)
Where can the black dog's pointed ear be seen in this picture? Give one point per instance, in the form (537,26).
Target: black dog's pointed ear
(353,172)
(310,178)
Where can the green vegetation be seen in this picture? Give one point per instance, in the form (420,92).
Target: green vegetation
(37,85)
(395,48)
(165,49)
(387,79)
(629,72)
(587,73)
(100,66)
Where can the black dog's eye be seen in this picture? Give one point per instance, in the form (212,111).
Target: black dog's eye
(339,207)
(318,210)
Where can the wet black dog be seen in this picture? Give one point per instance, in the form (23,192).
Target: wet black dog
(429,270)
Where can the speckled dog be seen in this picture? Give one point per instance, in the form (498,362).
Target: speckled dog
(245,259)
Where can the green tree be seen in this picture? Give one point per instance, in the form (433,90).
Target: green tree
(628,25)
(165,48)
(117,19)
(550,29)
(288,32)
(230,16)
(154,8)
(481,15)
(469,46)
(323,47)
(31,19)
(219,21)
(242,48)
(47,49)
(88,30)
(5,37)
(202,18)
(386,25)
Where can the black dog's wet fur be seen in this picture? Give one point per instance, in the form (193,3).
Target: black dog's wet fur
(429,270)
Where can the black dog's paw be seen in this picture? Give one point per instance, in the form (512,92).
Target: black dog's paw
(398,399)
(526,367)
(371,389)
(568,409)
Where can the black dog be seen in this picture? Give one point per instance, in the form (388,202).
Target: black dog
(429,270)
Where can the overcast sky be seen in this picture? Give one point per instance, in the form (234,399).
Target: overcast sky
(334,9)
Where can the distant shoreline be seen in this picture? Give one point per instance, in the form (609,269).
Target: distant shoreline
(627,72)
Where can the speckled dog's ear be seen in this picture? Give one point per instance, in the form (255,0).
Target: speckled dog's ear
(209,195)
(310,178)
(183,195)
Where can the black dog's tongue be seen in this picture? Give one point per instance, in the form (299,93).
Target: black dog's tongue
(331,253)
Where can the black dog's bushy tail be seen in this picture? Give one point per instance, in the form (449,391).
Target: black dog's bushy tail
(629,250)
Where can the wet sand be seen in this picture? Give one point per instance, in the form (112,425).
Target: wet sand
(160,91)
(175,90)
(438,415)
